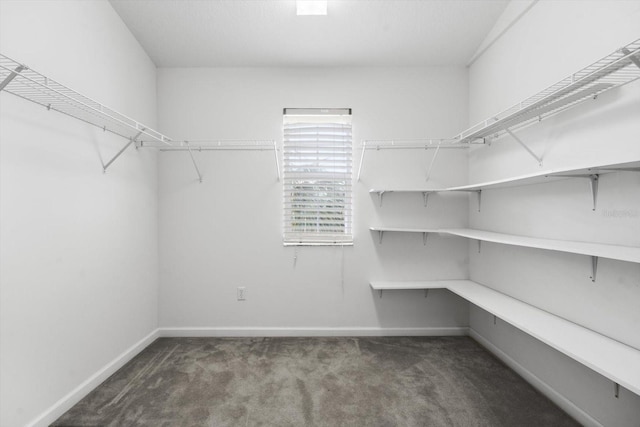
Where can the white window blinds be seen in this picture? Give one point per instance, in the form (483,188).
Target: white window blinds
(317,178)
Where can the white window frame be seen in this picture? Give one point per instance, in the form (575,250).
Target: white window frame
(317,177)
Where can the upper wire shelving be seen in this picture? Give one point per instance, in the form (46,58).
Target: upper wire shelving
(28,84)
(20,80)
(614,70)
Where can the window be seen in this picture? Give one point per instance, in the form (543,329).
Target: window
(317,177)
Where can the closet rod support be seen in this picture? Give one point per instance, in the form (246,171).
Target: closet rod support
(525,146)
(195,165)
(122,150)
(12,76)
(275,152)
(433,160)
(633,58)
(364,148)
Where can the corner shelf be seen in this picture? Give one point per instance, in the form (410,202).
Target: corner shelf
(594,250)
(614,360)
(590,172)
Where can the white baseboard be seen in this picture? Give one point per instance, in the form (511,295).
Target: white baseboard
(560,400)
(309,332)
(65,403)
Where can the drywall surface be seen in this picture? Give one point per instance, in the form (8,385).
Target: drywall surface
(551,41)
(78,252)
(227,231)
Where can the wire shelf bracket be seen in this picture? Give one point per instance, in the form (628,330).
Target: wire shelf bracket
(122,150)
(525,146)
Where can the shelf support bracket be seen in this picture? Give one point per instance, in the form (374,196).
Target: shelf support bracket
(122,150)
(12,76)
(424,238)
(380,293)
(425,197)
(479,246)
(594,268)
(380,197)
(364,148)
(593,179)
(479,193)
(426,293)
(529,150)
(616,390)
(195,165)
(433,160)
(380,233)
(634,59)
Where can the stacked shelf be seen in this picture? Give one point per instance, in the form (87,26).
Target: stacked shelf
(591,172)
(610,358)
(617,252)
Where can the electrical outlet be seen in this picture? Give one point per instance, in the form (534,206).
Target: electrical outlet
(242,293)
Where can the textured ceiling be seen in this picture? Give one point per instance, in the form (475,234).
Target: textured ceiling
(228,33)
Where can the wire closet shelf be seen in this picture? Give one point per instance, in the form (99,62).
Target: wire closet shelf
(619,68)
(28,84)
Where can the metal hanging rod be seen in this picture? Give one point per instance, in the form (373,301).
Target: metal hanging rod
(408,144)
(218,145)
(404,144)
(211,145)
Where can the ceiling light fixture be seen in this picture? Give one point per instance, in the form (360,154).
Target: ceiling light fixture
(311,7)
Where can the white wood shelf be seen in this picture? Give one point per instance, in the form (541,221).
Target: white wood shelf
(591,172)
(617,252)
(610,358)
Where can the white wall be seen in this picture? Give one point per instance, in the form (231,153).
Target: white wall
(227,231)
(551,41)
(78,254)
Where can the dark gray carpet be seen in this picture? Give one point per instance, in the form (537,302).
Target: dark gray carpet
(390,381)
